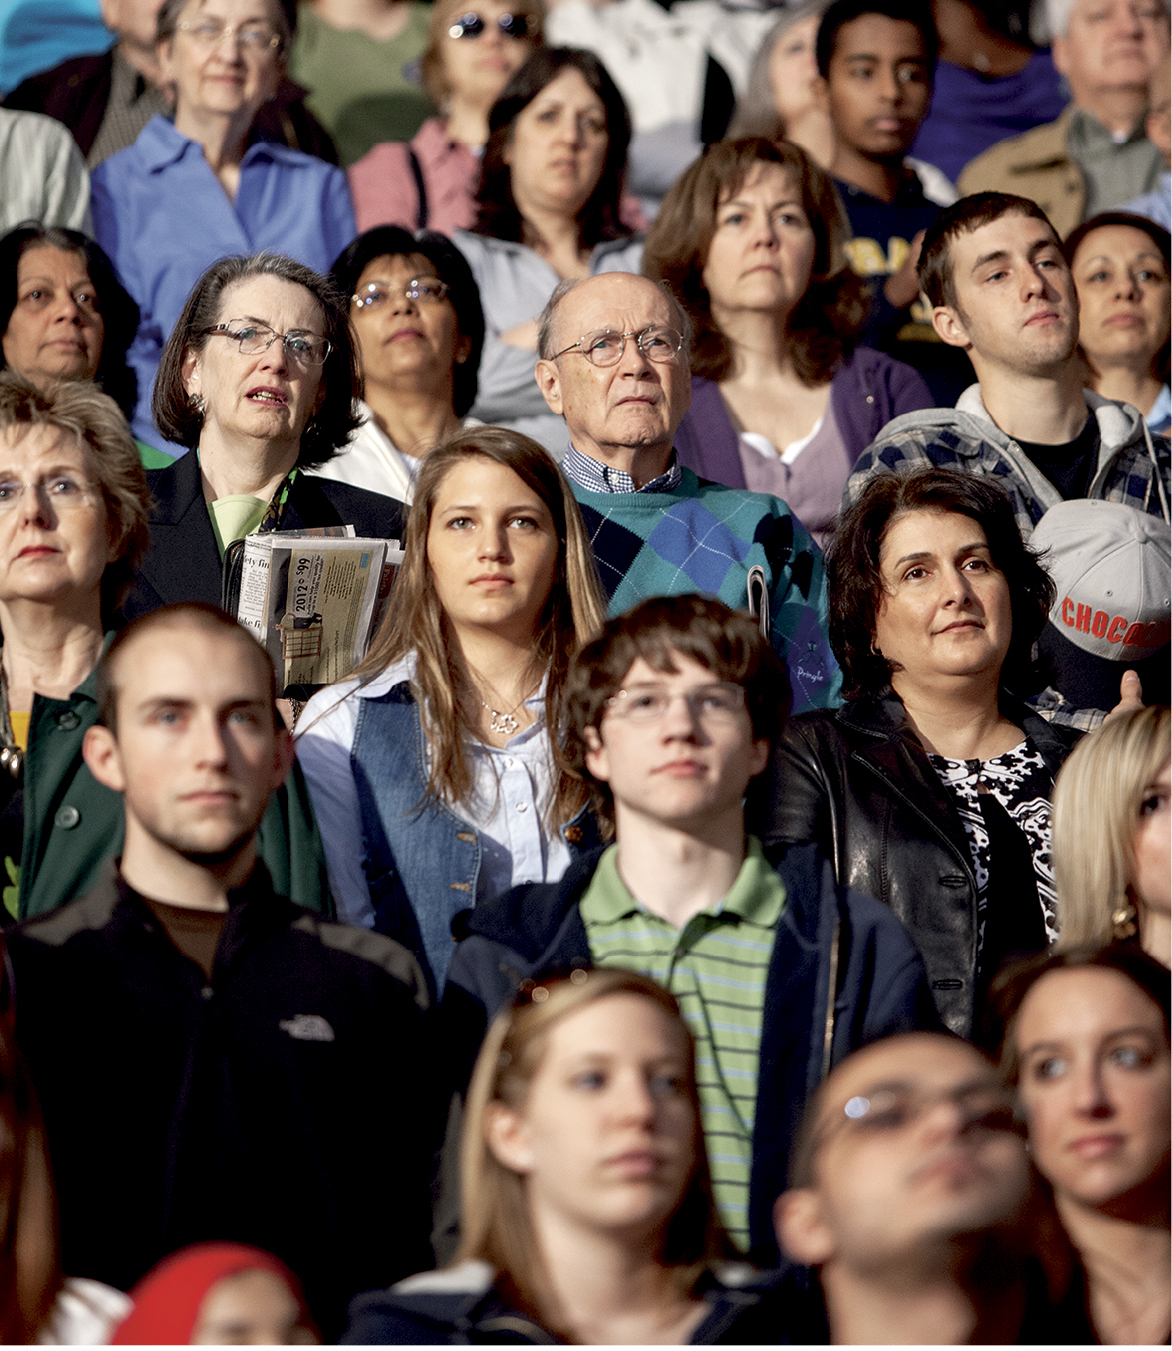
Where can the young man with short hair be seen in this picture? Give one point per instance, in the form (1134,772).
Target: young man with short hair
(876,62)
(213,1061)
(1002,291)
(780,972)
(909,1208)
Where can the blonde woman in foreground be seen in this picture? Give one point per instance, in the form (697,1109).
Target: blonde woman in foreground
(1112,834)
(585,1198)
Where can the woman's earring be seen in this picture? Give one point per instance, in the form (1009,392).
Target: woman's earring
(875,651)
(1124,921)
(198,403)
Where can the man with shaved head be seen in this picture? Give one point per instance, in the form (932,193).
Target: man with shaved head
(613,362)
(213,1061)
(911,1208)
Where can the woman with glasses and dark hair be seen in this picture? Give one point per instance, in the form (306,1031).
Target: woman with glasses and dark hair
(930,787)
(415,310)
(258,380)
(430,181)
(548,210)
(196,187)
(65,316)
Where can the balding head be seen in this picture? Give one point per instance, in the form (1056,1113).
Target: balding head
(624,415)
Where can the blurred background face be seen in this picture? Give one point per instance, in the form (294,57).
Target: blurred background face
(252,1308)
(558,146)
(1123,295)
(1112,44)
(229,74)
(762,252)
(399,337)
(133,20)
(478,68)
(606,1138)
(793,71)
(56,330)
(1095,1085)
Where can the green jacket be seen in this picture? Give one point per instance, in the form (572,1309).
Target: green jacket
(72,824)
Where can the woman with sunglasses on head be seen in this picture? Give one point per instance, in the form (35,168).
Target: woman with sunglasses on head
(415,310)
(258,380)
(430,182)
(586,1205)
(435,769)
(1085,1044)
(199,186)
(548,210)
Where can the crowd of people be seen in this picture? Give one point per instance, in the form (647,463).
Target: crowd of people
(729,898)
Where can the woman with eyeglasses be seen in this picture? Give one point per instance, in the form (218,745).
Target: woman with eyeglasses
(436,768)
(548,209)
(415,310)
(258,380)
(430,181)
(197,187)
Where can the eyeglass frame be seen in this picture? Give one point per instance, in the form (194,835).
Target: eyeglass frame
(226,30)
(612,705)
(638,334)
(923,1101)
(90,493)
(364,302)
(458,31)
(297,358)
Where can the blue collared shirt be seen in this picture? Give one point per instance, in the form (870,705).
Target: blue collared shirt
(163,217)
(596,477)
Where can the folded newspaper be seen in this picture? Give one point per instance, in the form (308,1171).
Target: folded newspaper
(312,598)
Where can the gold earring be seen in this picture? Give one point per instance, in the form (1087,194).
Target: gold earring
(1124,921)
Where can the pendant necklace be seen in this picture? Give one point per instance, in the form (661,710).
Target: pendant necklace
(504,724)
(11,756)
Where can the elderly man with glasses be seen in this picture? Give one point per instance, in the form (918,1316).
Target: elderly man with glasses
(613,362)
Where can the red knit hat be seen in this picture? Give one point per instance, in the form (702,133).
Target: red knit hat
(168,1298)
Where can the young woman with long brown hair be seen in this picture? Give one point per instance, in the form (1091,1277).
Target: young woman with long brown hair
(435,769)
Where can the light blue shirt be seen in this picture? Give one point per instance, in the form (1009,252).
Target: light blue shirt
(163,217)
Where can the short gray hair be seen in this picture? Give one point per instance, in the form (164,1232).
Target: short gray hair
(171,11)
(1058,14)
(545,342)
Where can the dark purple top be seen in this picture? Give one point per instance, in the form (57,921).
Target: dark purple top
(866,394)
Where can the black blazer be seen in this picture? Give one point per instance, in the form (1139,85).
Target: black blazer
(183,562)
(857,783)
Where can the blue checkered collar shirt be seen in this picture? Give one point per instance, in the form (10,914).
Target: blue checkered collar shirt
(596,477)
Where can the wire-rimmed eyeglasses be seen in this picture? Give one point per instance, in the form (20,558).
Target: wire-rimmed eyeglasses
(252,36)
(718,702)
(303,349)
(430,290)
(605,346)
(63,492)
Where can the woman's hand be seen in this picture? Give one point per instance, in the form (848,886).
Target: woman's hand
(524,335)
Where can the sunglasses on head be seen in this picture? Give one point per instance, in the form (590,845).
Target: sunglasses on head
(472,25)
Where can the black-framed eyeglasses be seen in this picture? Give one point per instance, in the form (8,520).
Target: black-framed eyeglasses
(471,25)
(302,349)
(605,346)
(429,290)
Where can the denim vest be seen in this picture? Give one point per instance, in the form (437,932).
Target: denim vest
(422,860)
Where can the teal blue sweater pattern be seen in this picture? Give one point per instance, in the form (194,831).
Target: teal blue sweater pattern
(705,537)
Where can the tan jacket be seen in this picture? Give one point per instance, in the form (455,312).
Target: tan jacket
(1037,165)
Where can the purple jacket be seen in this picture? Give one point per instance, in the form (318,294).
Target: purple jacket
(866,394)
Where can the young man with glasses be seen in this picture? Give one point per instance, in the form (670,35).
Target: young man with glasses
(614,364)
(672,710)
(910,1209)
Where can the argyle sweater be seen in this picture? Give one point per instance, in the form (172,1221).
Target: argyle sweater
(705,537)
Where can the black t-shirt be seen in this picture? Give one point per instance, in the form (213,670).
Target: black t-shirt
(1071,466)
(196,933)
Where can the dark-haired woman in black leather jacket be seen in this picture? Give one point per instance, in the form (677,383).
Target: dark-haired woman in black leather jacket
(930,788)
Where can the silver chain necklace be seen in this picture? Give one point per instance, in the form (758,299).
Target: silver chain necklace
(504,724)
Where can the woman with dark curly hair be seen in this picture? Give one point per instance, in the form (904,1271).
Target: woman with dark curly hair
(784,400)
(930,787)
(548,209)
(64,315)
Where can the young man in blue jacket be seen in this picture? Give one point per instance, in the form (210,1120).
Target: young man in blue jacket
(672,710)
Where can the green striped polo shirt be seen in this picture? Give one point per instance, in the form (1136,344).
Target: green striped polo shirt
(716,966)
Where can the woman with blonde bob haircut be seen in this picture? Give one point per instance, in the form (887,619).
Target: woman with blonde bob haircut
(436,768)
(1111,835)
(586,1205)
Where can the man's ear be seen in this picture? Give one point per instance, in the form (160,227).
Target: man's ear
(821,91)
(950,327)
(549,381)
(99,749)
(283,757)
(508,1138)
(597,759)
(801,1228)
(759,757)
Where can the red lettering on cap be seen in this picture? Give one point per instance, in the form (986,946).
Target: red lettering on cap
(1082,620)
(1134,636)
(1068,612)
(1099,624)
(1115,632)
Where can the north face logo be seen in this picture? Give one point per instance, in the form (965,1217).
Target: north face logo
(307,1027)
